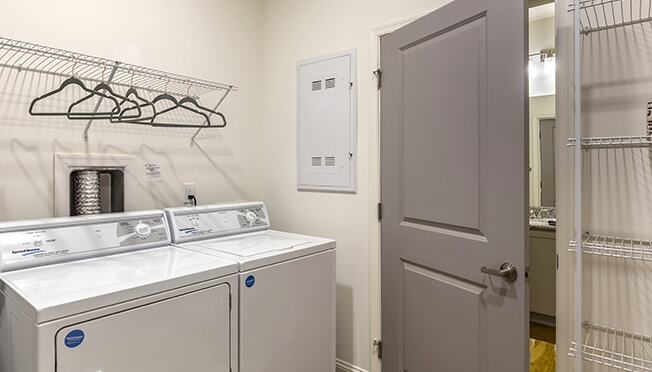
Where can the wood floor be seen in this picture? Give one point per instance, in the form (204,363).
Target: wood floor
(543,354)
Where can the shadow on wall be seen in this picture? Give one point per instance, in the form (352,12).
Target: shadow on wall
(226,174)
(28,143)
(31,167)
(344,322)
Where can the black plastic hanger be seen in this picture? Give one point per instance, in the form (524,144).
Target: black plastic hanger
(130,119)
(175,105)
(99,116)
(196,103)
(70,81)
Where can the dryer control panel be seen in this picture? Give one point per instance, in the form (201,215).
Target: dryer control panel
(37,243)
(216,220)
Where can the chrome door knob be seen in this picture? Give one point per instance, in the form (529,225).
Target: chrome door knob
(507,271)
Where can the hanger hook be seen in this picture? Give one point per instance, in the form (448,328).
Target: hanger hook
(189,86)
(74,64)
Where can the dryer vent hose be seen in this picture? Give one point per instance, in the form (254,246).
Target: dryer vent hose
(86,192)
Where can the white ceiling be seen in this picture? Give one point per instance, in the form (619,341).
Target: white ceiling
(541,12)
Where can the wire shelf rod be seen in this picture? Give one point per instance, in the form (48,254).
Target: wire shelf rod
(36,58)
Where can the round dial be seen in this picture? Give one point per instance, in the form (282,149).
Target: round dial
(252,217)
(143,230)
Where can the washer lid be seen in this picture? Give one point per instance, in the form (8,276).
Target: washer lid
(263,248)
(55,291)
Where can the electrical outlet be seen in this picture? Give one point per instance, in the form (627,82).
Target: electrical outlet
(188,189)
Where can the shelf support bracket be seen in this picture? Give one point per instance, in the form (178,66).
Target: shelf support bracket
(99,101)
(194,136)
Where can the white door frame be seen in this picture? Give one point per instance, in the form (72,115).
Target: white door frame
(374,179)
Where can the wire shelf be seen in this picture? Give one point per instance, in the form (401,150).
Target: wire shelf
(615,348)
(609,246)
(601,15)
(35,58)
(614,141)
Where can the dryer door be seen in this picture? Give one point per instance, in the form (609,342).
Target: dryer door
(187,333)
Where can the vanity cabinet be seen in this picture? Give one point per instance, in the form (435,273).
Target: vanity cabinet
(543,267)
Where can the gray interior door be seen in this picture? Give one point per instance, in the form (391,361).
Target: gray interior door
(547,129)
(454,190)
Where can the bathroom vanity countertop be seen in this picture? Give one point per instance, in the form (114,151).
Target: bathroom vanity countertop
(543,218)
(542,224)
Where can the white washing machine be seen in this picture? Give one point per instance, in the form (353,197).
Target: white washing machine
(287,285)
(109,294)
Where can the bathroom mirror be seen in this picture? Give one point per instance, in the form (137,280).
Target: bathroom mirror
(541,76)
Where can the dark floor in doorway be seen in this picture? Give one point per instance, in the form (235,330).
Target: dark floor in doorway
(542,333)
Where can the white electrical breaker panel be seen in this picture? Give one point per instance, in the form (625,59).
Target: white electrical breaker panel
(327,123)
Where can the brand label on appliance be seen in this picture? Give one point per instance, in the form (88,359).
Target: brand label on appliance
(250,281)
(74,338)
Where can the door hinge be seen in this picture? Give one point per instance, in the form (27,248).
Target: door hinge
(380,211)
(378,346)
(379,78)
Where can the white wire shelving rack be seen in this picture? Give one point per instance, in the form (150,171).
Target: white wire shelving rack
(601,15)
(39,59)
(614,348)
(613,142)
(616,247)
(610,347)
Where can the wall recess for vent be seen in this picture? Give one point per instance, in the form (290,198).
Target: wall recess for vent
(114,184)
(327,123)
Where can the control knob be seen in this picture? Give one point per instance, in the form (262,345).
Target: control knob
(143,230)
(251,217)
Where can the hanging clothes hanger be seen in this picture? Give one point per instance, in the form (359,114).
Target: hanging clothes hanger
(72,80)
(134,118)
(103,87)
(193,101)
(124,118)
(175,106)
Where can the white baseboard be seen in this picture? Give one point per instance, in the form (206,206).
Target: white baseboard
(342,366)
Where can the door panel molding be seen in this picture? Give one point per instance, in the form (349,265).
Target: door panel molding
(440,228)
(430,340)
(461,202)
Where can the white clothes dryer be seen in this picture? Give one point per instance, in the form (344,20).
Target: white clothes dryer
(286,287)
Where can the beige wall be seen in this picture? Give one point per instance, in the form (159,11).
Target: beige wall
(299,29)
(217,40)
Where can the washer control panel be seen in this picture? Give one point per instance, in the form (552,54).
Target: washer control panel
(28,245)
(216,220)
